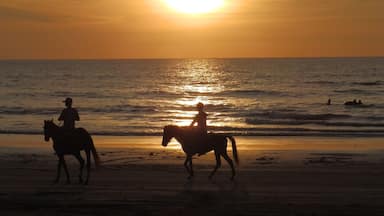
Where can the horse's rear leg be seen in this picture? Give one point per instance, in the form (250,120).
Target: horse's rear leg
(218,164)
(65,168)
(229,160)
(88,153)
(81,161)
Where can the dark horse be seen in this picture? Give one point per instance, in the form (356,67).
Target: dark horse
(71,143)
(192,144)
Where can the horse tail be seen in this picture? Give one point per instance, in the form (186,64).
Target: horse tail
(94,153)
(234,149)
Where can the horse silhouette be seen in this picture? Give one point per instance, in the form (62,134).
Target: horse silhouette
(193,144)
(71,143)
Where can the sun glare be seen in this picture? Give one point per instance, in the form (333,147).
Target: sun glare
(195,6)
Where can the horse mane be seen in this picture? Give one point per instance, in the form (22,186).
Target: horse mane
(175,128)
(51,123)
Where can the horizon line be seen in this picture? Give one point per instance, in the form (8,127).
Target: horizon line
(181,58)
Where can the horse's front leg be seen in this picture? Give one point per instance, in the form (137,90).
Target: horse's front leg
(81,161)
(58,171)
(65,168)
(88,153)
(188,166)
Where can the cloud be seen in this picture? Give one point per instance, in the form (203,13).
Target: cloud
(13,14)
(16,14)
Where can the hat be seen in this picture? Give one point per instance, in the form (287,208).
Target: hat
(68,99)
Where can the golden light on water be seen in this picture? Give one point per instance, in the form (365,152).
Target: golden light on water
(184,118)
(201,81)
(195,6)
(202,88)
(192,102)
(173,144)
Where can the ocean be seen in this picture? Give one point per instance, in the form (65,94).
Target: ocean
(241,96)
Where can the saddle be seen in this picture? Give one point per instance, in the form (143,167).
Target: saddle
(202,139)
(70,133)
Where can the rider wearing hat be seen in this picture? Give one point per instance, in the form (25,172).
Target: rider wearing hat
(69,115)
(200,119)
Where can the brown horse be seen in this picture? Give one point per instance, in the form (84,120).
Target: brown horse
(71,143)
(193,144)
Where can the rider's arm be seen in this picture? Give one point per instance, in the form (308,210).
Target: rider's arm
(77,118)
(61,118)
(194,121)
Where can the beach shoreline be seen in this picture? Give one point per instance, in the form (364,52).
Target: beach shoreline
(27,141)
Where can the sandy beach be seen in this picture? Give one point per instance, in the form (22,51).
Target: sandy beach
(299,84)
(277,176)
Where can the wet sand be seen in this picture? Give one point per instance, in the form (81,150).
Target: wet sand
(277,176)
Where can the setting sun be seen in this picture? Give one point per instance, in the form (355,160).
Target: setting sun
(195,6)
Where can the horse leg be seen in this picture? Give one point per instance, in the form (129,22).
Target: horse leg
(229,160)
(218,164)
(190,166)
(65,168)
(58,171)
(81,161)
(88,153)
(186,164)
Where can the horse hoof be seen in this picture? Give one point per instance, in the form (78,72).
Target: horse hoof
(86,183)
(80,181)
(190,177)
(68,182)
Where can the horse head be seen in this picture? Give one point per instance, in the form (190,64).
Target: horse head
(168,134)
(49,129)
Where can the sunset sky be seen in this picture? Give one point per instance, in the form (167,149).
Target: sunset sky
(73,29)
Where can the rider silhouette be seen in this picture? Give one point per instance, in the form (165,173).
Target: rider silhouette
(201,129)
(200,119)
(69,115)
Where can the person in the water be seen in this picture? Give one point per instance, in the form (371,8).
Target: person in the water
(353,103)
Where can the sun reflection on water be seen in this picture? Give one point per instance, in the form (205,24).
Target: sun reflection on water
(199,81)
(192,101)
(202,88)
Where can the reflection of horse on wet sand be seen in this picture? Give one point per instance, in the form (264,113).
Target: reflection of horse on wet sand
(71,143)
(192,145)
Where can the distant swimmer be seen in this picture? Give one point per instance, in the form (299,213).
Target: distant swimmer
(350,103)
(353,103)
(69,115)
